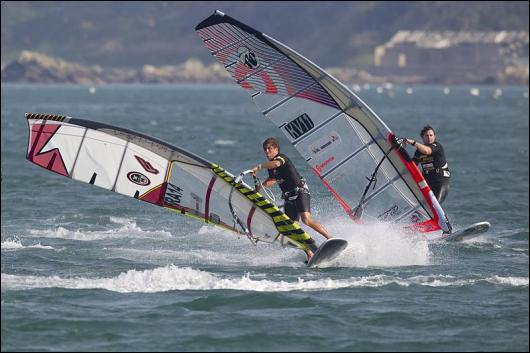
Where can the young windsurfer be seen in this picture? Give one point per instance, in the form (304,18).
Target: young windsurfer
(294,189)
(430,154)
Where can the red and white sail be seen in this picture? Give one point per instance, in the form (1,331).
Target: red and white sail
(340,137)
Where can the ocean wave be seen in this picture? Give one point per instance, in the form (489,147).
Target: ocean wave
(171,277)
(128,229)
(10,244)
(510,281)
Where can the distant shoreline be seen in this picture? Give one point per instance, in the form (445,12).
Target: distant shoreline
(33,67)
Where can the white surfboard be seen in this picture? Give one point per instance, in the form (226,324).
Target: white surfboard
(469,232)
(327,251)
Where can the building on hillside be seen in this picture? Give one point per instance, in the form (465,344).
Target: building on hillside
(455,57)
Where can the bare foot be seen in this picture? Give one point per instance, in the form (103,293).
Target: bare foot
(309,255)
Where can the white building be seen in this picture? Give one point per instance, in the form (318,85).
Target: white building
(450,56)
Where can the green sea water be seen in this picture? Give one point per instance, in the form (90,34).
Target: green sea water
(84,269)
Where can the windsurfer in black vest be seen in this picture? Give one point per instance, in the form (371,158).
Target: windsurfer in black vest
(431,156)
(295,191)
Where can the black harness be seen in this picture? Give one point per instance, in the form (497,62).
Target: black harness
(292,195)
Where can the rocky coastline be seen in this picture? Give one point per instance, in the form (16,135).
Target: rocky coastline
(33,67)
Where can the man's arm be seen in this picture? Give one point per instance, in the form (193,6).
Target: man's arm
(270,164)
(269,182)
(266,165)
(423,149)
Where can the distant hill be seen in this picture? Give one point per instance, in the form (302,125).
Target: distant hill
(132,34)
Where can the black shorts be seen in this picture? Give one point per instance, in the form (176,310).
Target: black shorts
(293,208)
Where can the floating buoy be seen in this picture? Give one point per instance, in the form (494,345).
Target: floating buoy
(474,91)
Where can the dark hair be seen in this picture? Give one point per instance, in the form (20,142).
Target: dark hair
(271,141)
(425,129)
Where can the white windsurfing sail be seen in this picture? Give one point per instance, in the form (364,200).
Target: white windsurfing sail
(340,137)
(154,171)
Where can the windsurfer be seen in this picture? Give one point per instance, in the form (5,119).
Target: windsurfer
(430,154)
(295,191)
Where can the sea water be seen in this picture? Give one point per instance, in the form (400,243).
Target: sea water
(84,269)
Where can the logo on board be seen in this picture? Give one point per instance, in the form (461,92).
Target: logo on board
(299,126)
(138,178)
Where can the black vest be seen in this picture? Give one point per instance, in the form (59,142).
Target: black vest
(434,165)
(286,174)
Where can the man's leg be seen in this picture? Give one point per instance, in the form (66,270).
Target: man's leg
(308,220)
(303,205)
(290,210)
(309,254)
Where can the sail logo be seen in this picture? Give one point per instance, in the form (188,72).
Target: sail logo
(299,126)
(138,178)
(173,195)
(332,139)
(146,165)
(248,57)
(319,168)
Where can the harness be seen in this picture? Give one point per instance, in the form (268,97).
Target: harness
(442,171)
(292,195)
